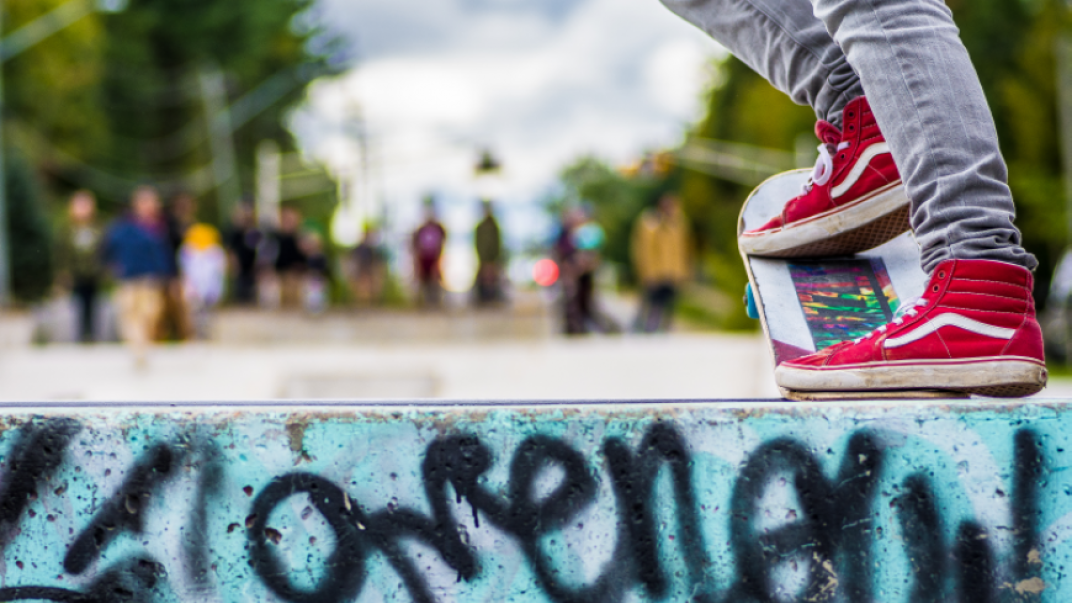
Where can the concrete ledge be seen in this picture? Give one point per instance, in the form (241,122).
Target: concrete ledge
(264,327)
(717,502)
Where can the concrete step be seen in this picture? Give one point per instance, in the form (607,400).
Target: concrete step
(407,501)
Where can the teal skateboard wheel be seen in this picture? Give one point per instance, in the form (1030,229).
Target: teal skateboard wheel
(750,302)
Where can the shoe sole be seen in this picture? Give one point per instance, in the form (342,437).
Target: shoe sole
(848,229)
(1011,377)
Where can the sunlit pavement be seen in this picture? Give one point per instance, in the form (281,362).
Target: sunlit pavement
(485,355)
(679,366)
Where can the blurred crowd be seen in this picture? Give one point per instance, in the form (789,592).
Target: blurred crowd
(164,271)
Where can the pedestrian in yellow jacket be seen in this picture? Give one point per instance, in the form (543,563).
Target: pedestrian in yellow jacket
(662,256)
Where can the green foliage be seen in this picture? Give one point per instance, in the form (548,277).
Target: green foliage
(1020,83)
(116,99)
(53,85)
(158,52)
(28,234)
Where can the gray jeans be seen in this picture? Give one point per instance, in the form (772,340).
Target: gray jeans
(906,55)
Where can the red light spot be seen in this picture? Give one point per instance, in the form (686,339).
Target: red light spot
(545,272)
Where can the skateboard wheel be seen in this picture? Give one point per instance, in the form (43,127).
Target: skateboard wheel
(750,302)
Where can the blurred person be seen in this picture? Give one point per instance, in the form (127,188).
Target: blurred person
(317,276)
(243,244)
(588,239)
(661,249)
(290,260)
(136,250)
(566,256)
(488,238)
(368,268)
(78,258)
(175,320)
(577,250)
(427,246)
(203,264)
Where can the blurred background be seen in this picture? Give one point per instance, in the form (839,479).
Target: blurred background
(508,199)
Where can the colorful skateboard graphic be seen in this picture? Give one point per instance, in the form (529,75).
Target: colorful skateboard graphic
(808,305)
(843,299)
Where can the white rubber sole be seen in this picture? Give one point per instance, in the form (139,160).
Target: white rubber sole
(1008,377)
(859,226)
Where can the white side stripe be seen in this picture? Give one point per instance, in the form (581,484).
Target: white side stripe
(950,320)
(858,170)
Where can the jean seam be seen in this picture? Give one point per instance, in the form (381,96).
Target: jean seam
(915,108)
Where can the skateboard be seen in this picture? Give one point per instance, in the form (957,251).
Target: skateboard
(807,305)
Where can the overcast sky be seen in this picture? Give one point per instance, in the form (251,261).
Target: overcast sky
(539,82)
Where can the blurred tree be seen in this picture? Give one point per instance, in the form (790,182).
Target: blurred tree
(51,90)
(53,86)
(159,50)
(50,104)
(1021,85)
(117,99)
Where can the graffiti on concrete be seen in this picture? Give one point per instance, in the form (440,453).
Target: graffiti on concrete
(713,505)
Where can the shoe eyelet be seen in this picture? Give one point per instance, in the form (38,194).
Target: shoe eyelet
(842,156)
(852,128)
(941,274)
(935,288)
(851,115)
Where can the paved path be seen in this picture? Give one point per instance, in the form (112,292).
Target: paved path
(682,366)
(463,362)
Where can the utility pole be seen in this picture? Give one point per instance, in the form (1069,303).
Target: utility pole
(221,141)
(268,185)
(5,248)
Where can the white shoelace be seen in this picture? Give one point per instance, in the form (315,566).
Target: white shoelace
(907,310)
(824,166)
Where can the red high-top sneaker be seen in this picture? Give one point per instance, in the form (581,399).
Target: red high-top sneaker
(854,200)
(973,330)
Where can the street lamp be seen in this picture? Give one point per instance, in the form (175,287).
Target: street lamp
(11,46)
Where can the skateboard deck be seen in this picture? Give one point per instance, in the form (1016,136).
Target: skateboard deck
(807,305)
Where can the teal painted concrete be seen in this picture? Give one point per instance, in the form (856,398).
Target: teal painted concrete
(892,502)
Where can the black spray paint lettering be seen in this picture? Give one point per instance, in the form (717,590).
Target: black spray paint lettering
(38,452)
(835,516)
(125,509)
(36,455)
(834,534)
(460,461)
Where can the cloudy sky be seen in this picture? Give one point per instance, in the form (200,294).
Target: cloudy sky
(539,82)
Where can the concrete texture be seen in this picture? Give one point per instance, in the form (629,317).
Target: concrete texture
(719,503)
